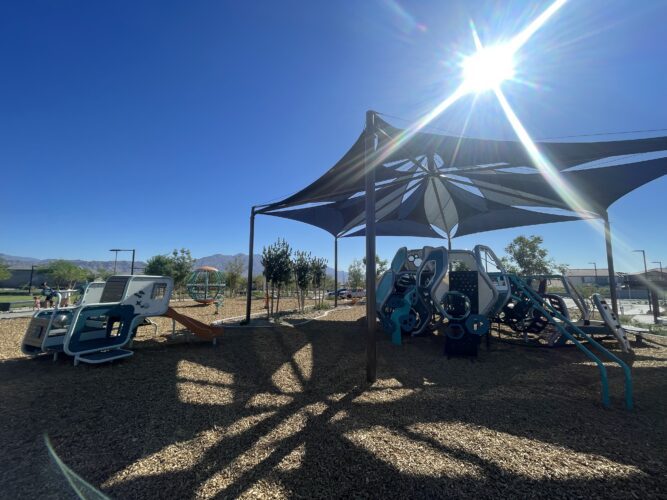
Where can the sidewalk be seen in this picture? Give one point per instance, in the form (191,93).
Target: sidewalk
(17,313)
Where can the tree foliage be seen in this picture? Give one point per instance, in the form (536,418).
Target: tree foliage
(182,263)
(159,265)
(526,256)
(318,272)
(258,282)
(103,274)
(233,273)
(178,265)
(301,265)
(381,265)
(63,273)
(356,275)
(277,262)
(5,273)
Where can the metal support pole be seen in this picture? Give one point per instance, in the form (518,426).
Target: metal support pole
(250,259)
(335,271)
(369,168)
(610,263)
(648,287)
(132,268)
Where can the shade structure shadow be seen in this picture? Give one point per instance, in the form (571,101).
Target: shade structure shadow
(287,411)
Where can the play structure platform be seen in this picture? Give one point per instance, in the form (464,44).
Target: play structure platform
(455,293)
(102,326)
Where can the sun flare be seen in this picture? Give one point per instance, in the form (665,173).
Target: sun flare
(488,68)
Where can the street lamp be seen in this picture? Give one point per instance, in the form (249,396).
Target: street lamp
(648,291)
(115,261)
(595,266)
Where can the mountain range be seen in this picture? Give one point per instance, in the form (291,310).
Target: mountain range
(217,260)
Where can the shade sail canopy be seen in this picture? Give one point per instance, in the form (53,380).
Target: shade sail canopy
(434,185)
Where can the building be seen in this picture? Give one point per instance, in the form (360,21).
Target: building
(638,280)
(20,278)
(590,277)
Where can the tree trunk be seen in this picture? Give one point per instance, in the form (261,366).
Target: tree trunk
(278,300)
(272,290)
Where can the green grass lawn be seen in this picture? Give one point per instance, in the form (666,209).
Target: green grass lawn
(15,298)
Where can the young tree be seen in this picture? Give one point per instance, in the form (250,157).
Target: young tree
(355,274)
(329,283)
(526,256)
(159,265)
(5,273)
(302,276)
(242,283)
(380,265)
(64,273)
(181,267)
(562,268)
(258,282)
(233,272)
(277,262)
(318,271)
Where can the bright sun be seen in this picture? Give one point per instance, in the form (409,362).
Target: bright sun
(488,68)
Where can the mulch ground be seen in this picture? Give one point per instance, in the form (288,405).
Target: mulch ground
(285,412)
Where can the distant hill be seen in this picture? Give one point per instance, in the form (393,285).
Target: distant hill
(123,266)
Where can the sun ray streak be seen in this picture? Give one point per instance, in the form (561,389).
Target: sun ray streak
(387,149)
(519,40)
(544,166)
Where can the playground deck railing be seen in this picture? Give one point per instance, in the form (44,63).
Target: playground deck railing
(571,333)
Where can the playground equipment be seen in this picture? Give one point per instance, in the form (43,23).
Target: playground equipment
(523,317)
(205,284)
(102,325)
(432,287)
(454,291)
(104,322)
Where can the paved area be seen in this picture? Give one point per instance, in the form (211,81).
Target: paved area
(18,313)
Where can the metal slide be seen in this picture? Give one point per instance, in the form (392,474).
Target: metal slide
(570,331)
(612,322)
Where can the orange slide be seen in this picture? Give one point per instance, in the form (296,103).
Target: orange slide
(201,330)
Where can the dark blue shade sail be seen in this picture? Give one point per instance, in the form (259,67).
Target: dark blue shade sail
(429,185)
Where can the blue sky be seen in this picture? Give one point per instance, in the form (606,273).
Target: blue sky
(155,125)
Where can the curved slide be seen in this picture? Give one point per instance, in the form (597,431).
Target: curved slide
(201,330)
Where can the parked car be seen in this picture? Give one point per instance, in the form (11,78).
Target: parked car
(351,293)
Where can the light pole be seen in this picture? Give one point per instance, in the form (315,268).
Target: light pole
(662,278)
(648,290)
(32,272)
(595,266)
(115,261)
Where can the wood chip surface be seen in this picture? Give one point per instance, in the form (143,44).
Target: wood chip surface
(285,412)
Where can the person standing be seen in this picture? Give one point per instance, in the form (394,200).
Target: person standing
(65,297)
(48,293)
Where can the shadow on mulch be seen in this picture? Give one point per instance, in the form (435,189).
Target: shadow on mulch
(286,412)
